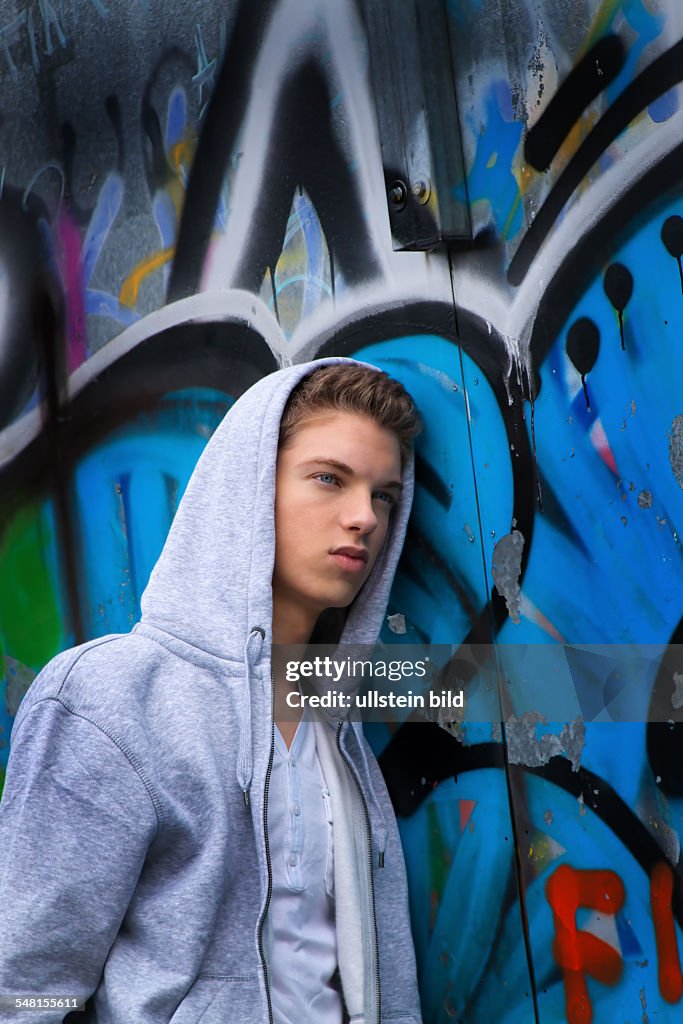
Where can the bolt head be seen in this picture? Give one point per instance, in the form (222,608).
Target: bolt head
(421,189)
(398,194)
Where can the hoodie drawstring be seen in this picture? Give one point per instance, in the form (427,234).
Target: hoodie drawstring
(245,759)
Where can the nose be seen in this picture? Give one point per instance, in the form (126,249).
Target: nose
(359,513)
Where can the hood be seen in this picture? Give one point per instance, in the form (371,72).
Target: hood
(212,583)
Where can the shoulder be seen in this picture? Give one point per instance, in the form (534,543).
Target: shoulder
(99,671)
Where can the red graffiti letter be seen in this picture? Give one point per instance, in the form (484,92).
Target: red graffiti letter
(579,953)
(661,890)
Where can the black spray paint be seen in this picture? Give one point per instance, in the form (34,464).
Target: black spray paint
(672,236)
(661,75)
(618,286)
(583,84)
(583,346)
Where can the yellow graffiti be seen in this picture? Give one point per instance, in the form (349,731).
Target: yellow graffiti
(572,143)
(131,286)
(180,156)
(511,214)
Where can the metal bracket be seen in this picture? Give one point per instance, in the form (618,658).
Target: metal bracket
(411,62)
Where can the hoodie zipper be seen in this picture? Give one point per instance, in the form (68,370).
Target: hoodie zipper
(269,891)
(368,835)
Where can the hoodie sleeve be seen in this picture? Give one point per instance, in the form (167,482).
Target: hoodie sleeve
(76,820)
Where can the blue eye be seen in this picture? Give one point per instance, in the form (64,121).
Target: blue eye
(389,499)
(330,478)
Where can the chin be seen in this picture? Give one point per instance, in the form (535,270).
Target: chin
(342,601)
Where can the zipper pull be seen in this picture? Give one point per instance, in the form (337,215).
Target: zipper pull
(380,859)
(246,797)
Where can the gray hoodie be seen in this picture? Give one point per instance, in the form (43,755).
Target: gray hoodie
(135,863)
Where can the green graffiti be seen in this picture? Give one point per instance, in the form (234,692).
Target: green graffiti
(30,622)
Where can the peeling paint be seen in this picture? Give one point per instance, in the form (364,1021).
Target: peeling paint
(450,719)
(643,1003)
(525,747)
(676,449)
(397,623)
(677,696)
(645,499)
(455,729)
(506,569)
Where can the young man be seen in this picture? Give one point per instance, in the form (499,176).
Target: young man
(171,854)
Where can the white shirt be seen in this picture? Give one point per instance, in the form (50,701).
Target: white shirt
(302,933)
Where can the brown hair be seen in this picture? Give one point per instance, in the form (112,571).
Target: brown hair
(344,387)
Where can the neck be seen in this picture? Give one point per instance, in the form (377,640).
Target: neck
(292,625)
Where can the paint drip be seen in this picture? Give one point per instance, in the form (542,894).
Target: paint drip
(672,237)
(583,347)
(618,286)
(528,385)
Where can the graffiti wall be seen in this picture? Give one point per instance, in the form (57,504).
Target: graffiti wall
(192,195)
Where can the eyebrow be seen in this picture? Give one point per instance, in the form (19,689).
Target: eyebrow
(343,468)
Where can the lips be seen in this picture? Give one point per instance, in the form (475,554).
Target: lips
(352,553)
(351,559)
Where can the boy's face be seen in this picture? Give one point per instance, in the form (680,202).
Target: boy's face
(337,481)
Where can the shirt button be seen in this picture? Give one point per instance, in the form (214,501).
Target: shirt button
(296,810)
(292,759)
(292,859)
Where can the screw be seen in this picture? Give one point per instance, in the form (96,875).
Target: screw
(421,190)
(398,194)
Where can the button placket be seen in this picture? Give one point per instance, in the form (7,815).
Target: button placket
(293,859)
(329,866)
